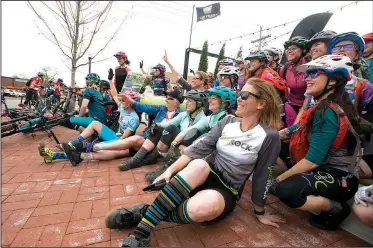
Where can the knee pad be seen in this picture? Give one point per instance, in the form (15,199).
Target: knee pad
(169,134)
(192,135)
(67,123)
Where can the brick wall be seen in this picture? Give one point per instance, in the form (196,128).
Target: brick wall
(13,83)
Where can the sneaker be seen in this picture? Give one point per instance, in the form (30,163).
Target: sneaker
(133,241)
(125,217)
(152,175)
(71,153)
(328,221)
(46,153)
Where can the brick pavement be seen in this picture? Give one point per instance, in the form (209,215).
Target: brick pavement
(60,205)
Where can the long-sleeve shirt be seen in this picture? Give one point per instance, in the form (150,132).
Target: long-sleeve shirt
(237,154)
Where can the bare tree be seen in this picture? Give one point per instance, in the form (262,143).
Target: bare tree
(80,23)
(51,73)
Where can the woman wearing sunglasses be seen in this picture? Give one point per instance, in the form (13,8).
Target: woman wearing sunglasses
(324,146)
(204,190)
(351,45)
(221,100)
(228,77)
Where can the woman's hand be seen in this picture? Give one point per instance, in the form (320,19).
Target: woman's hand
(271,219)
(166,176)
(282,134)
(165,58)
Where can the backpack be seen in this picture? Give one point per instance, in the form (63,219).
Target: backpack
(357,89)
(299,144)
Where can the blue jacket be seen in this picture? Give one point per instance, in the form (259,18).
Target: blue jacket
(159,111)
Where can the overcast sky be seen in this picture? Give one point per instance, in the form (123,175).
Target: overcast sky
(156,26)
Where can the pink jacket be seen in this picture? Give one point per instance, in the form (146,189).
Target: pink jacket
(296,83)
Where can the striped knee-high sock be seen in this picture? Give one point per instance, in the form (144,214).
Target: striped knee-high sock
(180,214)
(171,196)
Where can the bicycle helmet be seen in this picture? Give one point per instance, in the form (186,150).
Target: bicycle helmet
(230,70)
(263,56)
(368,37)
(298,41)
(121,55)
(104,84)
(226,62)
(226,94)
(275,51)
(352,36)
(329,64)
(93,77)
(161,68)
(41,74)
(278,82)
(198,96)
(324,36)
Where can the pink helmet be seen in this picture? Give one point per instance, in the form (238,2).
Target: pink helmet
(121,55)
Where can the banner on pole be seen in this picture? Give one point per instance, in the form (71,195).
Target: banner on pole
(208,12)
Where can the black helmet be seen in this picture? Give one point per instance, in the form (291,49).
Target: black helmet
(298,41)
(104,84)
(197,95)
(262,55)
(60,80)
(325,35)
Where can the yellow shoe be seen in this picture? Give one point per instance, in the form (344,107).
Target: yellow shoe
(46,153)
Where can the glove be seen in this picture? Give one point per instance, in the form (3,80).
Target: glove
(364,195)
(153,129)
(141,64)
(111,74)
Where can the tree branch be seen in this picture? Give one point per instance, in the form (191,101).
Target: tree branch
(94,61)
(50,30)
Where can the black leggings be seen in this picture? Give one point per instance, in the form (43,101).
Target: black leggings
(324,181)
(166,135)
(31,93)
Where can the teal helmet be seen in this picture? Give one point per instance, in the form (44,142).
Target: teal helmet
(93,77)
(226,94)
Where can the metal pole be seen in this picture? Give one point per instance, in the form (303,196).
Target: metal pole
(89,67)
(191,28)
(187,51)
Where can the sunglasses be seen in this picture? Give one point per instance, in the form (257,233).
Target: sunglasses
(345,47)
(224,77)
(196,78)
(170,98)
(314,74)
(245,95)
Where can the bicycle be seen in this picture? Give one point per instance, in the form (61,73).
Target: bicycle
(66,105)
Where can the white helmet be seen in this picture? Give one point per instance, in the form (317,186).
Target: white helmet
(230,70)
(329,64)
(226,62)
(276,51)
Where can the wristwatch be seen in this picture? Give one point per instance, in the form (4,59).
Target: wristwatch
(259,212)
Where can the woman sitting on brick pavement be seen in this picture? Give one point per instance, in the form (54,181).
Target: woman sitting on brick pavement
(200,190)
(324,146)
(78,150)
